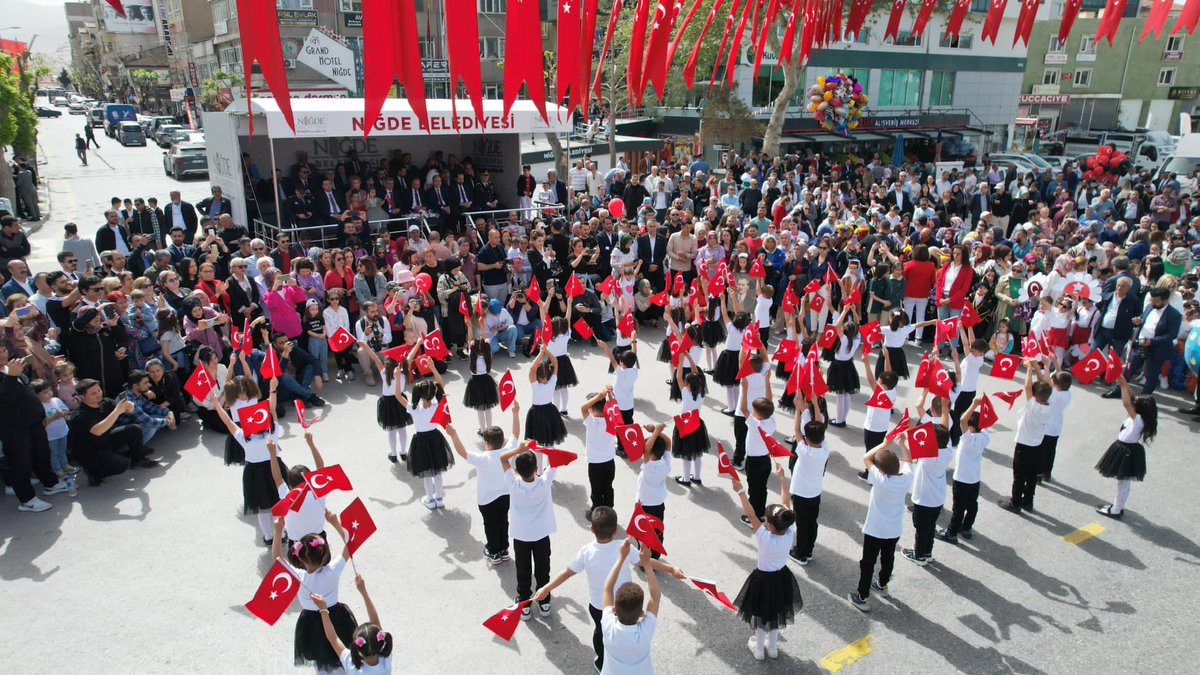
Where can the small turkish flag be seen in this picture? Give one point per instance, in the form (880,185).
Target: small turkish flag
(829,337)
(270,365)
(880,399)
(724,466)
(812,382)
(435,345)
(1114,367)
(1005,366)
(573,287)
(608,286)
(717,285)
(585,331)
(612,417)
(816,303)
(681,345)
(774,447)
(479,304)
(534,292)
(508,390)
(1009,397)
(987,413)
(786,353)
(399,353)
(463,308)
(831,276)
(554,456)
(247,338)
(688,422)
(300,415)
(1030,348)
(441,416)
(660,299)
(921,381)
(677,287)
(751,340)
(324,481)
(632,441)
(901,426)
(709,588)
(642,528)
(199,384)
(357,524)
(627,325)
(790,300)
(757,270)
(341,340)
(1090,367)
(504,623)
(745,370)
(274,594)
(946,331)
(854,299)
(870,332)
(922,441)
(970,316)
(424,365)
(235,338)
(938,382)
(291,501)
(255,418)
(812,286)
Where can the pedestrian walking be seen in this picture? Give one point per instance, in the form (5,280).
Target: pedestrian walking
(81,148)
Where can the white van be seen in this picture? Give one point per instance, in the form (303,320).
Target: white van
(1184,158)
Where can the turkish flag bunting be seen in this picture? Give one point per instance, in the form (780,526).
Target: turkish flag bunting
(751,340)
(689,68)
(573,287)
(729,19)
(1188,17)
(585,331)
(1090,367)
(534,292)
(270,365)
(858,14)
(523,55)
(567,85)
(688,422)
(554,456)
(262,44)
(923,14)
(829,337)
(816,303)
(922,441)
(683,26)
(665,16)
(880,399)
(1113,11)
(435,345)
(441,416)
(1025,19)
(199,384)
(870,332)
(637,51)
(276,591)
(812,286)
(724,466)
(786,353)
(1156,20)
(613,16)
(987,413)
(627,326)
(341,340)
(901,426)
(462,54)
(735,42)
(1005,366)
(641,528)
(854,299)
(709,588)
(946,331)
(357,524)
(757,270)
(1114,367)
(1009,397)
(774,447)
(893,25)
(394,52)
(612,417)
(329,479)
(504,623)
(632,441)
(608,286)
(790,300)
(508,390)
(300,415)
(291,501)
(954,23)
(1070,11)
(970,316)
(762,30)
(661,299)
(255,418)
(116,5)
(991,24)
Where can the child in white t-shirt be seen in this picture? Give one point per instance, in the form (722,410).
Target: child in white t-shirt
(890,475)
(1031,432)
(968,463)
(56,427)
(600,448)
(812,454)
(531,522)
(626,628)
(652,483)
(491,493)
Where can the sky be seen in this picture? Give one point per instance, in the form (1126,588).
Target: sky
(44,18)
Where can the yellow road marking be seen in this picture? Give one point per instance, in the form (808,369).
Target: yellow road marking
(1084,533)
(840,658)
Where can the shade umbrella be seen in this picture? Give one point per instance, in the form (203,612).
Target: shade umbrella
(898,151)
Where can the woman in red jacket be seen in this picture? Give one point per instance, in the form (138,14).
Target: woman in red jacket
(919,273)
(954,280)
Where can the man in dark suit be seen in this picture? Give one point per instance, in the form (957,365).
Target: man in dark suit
(113,236)
(1117,312)
(441,204)
(148,220)
(179,213)
(1121,265)
(607,240)
(558,187)
(462,196)
(413,202)
(326,205)
(899,198)
(215,205)
(1156,331)
(652,250)
(390,196)
(179,248)
(981,201)
(485,193)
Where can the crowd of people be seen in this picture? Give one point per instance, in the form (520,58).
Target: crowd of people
(828,270)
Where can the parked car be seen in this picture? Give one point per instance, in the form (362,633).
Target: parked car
(59,102)
(158,121)
(46,111)
(185,159)
(186,135)
(162,135)
(96,117)
(77,107)
(130,133)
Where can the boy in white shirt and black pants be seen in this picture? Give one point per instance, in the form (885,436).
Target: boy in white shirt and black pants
(929,490)
(812,453)
(531,522)
(1031,432)
(760,415)
(968,465)
(601,449)
(652,483)
(890,476)
(1060,398)
(968,382)
(491,493)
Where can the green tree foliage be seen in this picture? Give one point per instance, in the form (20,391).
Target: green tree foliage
(18,121)
(146,82)
(64,78)
(726,120)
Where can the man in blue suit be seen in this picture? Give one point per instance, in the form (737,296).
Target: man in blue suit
(1157,329)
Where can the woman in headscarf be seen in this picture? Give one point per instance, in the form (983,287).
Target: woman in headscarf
(91,344)
(452,289)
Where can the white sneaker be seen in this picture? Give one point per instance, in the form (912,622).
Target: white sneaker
(773,652)
(430,504)
(35,505)
(58,488)
(439,502)
(752,645)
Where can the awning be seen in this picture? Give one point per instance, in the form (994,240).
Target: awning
(870,136)
(977,130)
(827,138)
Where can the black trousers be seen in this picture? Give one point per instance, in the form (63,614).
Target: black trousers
(533,564)
(1027,464)
(739,439)
(964,400)
(764,334)
(966,504)
(807,509)
(658,511)
(885,551)
(758,472)
(600,477)
(1049,450)
(924,520)
(872,439)
(627,416)
(124,448)
(212,421)
(345,359)
(28,454)
(597,636)
(495,524)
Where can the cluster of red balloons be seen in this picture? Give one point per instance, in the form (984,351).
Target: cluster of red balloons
(1101,166)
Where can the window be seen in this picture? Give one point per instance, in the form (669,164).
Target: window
(941,90)
(1082,78)
(1050,76)
(220,11)
(426,49)
(1087,44)
(899,88)
(493,92)
(963,41)
(862,37)
(491,48)
(1056,46)
(491,6)
(294,4)
(1056,9)
(228,56)
(905,38)
(350,5)
(1166,77)
(980,6)
(1175,43)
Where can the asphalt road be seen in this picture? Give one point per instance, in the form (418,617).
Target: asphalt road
(149,572)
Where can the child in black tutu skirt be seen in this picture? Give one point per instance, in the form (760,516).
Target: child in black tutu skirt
(481,393)
(318,574)
(561,329)
(729,362)
(692,447)
(371,649)
(770,597)
(842,376)
(259,493)
(692,333)
(675,323)
(391,412)
(712,329)
(543,423)
(429,455)
(1125,459)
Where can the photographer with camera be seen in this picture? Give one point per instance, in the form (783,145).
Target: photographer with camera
(492,264)
(525,314)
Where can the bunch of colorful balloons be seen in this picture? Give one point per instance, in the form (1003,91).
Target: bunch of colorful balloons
(837,103)
(1098,165)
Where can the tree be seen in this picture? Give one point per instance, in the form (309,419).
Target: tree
(549,64)
(18,120)
(726,120)
(64,78)
(146,82)
(212,88)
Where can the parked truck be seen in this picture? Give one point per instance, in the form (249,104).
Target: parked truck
(114,114)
